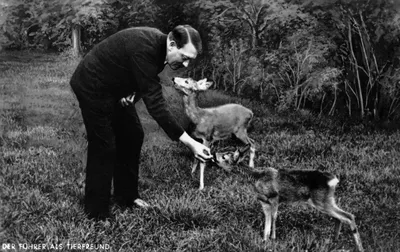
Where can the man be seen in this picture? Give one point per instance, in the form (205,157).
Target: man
(127,63)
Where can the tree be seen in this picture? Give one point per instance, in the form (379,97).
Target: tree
(368,36)
(63,21)
(72,13)
(52,19)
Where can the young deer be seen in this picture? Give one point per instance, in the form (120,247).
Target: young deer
(288,186)
(217,123)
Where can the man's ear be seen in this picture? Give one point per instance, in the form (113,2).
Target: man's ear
(172,43)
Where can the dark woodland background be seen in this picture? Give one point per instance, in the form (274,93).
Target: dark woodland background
(331,57)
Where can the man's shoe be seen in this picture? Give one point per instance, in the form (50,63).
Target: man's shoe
(141,203)
(97,211)
(98,216)
(123,203)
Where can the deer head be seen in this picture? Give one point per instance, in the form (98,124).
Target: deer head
(189,86)
(230,158)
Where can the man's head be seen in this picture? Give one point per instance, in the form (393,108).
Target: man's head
(183,45)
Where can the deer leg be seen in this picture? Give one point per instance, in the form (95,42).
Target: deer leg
(252,152)
(242,135)
(333,210)
(202,168)
(338,226)
(267,224)
(274,215)
(194,164)
(350,220)
(195,160)
(252,155)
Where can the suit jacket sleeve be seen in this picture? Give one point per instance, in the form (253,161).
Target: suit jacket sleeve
(146,77)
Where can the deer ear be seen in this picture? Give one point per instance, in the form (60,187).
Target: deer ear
(208,84)
(202,81)
(236,155)
(202,85)
(245,148)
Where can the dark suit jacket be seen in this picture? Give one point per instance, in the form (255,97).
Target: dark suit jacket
(126,62)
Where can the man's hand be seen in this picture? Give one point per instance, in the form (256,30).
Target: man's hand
(200,151)
(127,101)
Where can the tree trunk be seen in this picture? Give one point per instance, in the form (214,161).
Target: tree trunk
(254,38)
(76,40)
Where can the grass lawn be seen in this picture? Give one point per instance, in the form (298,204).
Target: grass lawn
(42,159)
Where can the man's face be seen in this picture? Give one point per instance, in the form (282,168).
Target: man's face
(178,58)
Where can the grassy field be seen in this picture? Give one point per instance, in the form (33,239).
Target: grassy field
(42,157)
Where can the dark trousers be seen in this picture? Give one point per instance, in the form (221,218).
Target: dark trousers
(115,138)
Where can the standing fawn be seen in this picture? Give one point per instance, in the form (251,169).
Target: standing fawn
(217,123)
(288,186)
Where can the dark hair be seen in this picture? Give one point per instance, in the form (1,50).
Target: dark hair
(181,35)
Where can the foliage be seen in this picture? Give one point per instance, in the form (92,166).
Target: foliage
(303,71)
(53,20)
(332,57)
(306,58)
(366,52)
(47,20)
